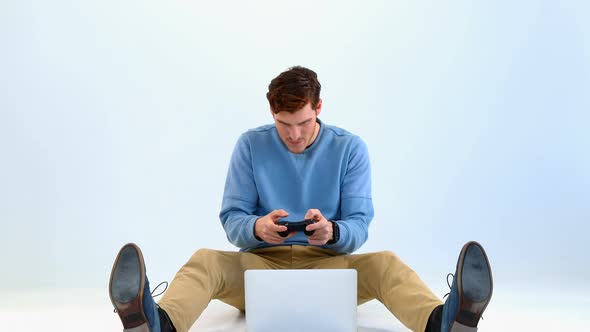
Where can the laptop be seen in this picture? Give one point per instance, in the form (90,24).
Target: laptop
(292,300)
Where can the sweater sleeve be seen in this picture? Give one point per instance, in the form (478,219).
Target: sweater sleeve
(240,198)
(356,205)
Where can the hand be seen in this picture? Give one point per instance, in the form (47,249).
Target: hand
(267,229)
(324,230)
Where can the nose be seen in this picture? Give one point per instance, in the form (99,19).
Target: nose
(294,133)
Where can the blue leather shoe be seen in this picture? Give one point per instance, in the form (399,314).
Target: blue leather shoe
(471,290)
(129,290)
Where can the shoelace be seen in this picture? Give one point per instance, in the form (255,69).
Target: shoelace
(162,292)
(449,284)
(154,290)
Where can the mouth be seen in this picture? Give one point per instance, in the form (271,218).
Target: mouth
(295,142)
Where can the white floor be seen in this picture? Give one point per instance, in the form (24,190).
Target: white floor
(90,310)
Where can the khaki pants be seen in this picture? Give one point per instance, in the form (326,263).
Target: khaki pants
(212,274)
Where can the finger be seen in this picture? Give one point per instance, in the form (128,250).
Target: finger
(275,239)
(277,214)
(275,234)
(318,225)
(316,242)
(318,237)
(312,214)
(277,228)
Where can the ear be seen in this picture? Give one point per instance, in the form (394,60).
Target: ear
(318,108)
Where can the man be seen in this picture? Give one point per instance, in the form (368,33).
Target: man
(298,168)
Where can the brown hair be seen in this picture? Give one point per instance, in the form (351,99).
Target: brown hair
(293,89)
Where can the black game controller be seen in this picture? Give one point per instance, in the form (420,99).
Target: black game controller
(296,226)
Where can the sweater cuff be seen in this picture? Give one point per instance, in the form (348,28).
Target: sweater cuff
(341,243)
(252,226)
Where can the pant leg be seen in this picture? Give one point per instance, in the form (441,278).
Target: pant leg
(209,274)
(383,276)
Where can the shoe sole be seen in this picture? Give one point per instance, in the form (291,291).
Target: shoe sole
(475,285)
(126,288)
(458,327)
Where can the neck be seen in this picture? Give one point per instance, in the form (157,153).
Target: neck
(316,131)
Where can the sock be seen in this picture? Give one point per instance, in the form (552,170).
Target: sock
(165,322)
(435,320)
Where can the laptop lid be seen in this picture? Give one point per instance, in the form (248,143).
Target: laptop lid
(301,300)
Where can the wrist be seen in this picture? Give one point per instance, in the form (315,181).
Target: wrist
(254,230)
(335,233)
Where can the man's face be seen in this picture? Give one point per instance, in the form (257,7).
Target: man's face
(298,130)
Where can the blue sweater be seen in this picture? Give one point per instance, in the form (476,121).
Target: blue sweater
(332,175)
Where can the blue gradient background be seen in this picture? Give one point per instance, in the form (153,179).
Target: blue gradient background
(118,118)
